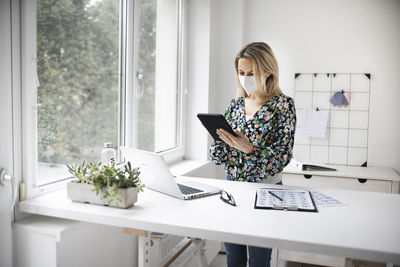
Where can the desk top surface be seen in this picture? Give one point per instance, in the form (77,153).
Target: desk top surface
(366,227)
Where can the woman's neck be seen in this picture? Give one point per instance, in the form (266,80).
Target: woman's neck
(256,98)
(252,104)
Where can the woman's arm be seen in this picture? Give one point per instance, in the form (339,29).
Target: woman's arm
(219,150)
(279,153)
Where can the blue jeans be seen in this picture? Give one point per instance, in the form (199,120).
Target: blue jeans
(236,255)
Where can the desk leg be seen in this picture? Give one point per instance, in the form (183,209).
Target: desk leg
(194,248)
(143,245)
(143,250)
(200,256)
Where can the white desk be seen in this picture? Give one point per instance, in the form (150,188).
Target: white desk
(372,179)
(367,228)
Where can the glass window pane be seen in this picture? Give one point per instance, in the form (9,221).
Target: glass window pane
(146,65)
(78,67)
(157,107)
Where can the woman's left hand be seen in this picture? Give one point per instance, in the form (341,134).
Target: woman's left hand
(239,142)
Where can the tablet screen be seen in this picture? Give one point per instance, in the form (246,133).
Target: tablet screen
(212,122)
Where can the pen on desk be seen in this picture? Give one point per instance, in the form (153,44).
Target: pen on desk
(275,195)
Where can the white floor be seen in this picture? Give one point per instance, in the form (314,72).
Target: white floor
(219,261)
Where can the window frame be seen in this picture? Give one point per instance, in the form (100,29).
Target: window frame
(128,90)
(177,153)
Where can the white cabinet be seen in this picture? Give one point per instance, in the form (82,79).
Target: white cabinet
(374,179)
(49,241)
(315,181)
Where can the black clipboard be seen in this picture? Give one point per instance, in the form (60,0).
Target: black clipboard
(310,167)
(214,121)
(283,206)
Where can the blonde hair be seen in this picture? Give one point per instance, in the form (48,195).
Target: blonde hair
(263,61)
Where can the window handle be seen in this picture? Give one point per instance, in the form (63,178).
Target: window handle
(140,84)
(4,177)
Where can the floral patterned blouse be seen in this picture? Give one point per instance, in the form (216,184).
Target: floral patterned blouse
(271,131)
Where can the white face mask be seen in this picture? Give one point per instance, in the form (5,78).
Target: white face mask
(249,84)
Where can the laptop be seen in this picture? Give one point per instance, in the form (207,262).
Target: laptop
(155,174)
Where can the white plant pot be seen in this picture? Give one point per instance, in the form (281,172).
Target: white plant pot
(85,193)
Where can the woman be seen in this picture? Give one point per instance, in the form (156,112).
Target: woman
(264,120)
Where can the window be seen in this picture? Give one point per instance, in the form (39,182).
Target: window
(156,69)
(99,71)
(78,70)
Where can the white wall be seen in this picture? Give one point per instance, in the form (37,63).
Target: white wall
(340,36)
(197,91)
(211,78)
(319,36)
(225,44)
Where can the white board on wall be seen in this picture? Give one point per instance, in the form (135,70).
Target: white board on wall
(346,139)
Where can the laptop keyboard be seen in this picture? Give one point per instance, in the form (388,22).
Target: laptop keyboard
(187,190)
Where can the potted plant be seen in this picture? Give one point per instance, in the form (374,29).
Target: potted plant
(104,184)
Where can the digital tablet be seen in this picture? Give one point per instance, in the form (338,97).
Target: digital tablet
(212,122)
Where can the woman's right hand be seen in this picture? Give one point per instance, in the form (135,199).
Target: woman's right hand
(239,141)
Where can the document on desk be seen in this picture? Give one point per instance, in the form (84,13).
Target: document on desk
(322,200)
(284,199)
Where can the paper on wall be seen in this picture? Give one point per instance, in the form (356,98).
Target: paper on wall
(312,123)
(339,99)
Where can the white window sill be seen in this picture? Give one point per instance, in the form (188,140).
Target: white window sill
(179,168)
(187,167)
